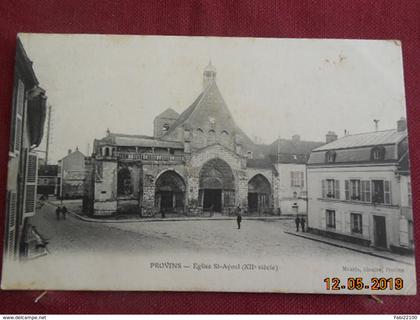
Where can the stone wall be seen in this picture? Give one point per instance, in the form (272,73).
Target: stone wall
(151,172)
(105,188)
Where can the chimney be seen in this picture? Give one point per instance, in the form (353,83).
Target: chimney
(402,124)
(68,152)
(296,138)
(330,136)
(376,124)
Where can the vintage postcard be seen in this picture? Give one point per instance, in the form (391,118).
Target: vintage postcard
(208,164)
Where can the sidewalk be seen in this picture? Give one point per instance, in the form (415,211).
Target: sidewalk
(155,219)
(409,260)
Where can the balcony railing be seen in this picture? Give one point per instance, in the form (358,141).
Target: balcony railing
(149,156)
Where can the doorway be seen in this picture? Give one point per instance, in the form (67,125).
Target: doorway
(252,201)
(379,226)
(166,200)
(212,200)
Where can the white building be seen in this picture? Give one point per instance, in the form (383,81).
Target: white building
(358,189)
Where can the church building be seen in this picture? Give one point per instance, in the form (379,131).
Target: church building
(197,162)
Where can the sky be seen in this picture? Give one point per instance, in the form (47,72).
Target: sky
(273,87)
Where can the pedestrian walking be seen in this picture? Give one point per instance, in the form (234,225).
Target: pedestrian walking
(64,211)
(297,222)
(57,212)
(302,224)
(238,217)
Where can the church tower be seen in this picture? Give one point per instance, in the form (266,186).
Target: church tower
(209,75)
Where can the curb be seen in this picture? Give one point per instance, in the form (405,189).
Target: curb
(87,219)
(349,248)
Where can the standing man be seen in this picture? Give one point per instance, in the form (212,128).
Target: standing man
(238,217)
(64,210)
(297,222)
(302,223)
(57,212)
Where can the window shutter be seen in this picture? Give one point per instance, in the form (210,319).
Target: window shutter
(404,239)
(30,184)
(323,224)
(291,179)
(18,125)
(302,180)
(365,226)
(387,191)
(362,190)
(337,189)
(346,189)
(347,222)
(11,223)
(324,189)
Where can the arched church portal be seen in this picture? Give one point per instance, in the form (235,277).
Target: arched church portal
(170,192)
(217,186)
(259,191)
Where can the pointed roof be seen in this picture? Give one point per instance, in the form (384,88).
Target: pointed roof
(168,114)
(210,67)
(186,114)
(201,105)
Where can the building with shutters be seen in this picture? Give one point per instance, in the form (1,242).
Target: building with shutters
(198,162)
(358,189)
(27,123)
(71,174)
(289,157)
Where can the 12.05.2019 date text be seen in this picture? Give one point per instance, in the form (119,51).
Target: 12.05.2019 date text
(359,284)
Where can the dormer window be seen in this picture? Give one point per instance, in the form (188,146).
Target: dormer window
(165,127)
(330,156)
(378,153)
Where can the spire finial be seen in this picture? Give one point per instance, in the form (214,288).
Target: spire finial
(209,75)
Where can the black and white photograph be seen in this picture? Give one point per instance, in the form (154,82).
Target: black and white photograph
(168,163)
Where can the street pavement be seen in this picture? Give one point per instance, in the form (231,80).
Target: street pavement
(255,238)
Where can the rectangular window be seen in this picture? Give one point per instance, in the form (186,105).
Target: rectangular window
(353,190)
(331,189)
(330,218)
(381,191)
(356,223)
(297,179)
(366,192)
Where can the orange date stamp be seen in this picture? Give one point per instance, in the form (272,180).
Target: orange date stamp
(358,283)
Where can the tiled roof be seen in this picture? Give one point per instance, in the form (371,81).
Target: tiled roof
(292,147)
(375,138)
(286,151)
(185,115)
(128,140)
(259,163)
(169,114)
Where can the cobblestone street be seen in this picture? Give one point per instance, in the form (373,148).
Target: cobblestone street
(255,238)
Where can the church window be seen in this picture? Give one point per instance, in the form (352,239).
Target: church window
(211,137)
(165,127)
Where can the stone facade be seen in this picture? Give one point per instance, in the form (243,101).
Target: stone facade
(196,163)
